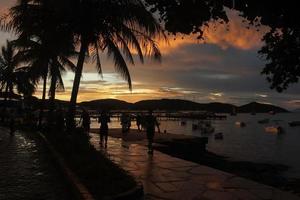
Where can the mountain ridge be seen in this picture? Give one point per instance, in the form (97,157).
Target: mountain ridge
(179,105)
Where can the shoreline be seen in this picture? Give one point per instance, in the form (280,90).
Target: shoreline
(269,174)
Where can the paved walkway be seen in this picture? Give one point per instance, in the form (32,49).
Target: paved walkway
(26,170)
(166,177)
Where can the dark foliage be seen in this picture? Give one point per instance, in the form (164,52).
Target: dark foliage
(281,49)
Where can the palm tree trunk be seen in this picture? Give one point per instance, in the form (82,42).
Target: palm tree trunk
(52,93)
(76,84)
(6,94)
(43,100)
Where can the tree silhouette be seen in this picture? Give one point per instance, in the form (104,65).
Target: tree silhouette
(187,16)
(12,74)
(45,44)
(115,27)
(281,49)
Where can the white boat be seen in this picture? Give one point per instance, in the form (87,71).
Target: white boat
(240,124)
(274,129)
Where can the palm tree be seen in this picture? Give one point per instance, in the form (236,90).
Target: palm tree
(45,44)
(115,27)
(118,28)
(12,75)
(47,61)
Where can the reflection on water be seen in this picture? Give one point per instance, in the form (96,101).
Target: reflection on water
(249,143)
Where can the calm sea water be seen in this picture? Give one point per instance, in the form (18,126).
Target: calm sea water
(250,143)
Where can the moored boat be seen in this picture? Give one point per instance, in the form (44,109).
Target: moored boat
(219,136)
(240,124)
(274,129)
(195,127)
(183,123)
(294,123)
(263,121)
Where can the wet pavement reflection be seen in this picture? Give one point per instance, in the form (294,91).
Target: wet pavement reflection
(27,171)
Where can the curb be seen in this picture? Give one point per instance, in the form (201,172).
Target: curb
(79,190)
(135,193)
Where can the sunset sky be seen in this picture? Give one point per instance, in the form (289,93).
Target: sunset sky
(225,67)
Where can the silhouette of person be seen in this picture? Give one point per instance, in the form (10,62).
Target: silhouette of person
(151,122)
(12,126)
(125,122)
(60,119)
(139,121)
(104,119)
(86,121)
(3,114)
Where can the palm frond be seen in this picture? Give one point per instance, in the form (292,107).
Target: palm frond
(120,63)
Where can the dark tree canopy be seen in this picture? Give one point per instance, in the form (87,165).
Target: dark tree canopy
(281,49)
(187,16)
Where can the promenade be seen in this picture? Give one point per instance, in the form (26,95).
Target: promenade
(27,171)
(165,177)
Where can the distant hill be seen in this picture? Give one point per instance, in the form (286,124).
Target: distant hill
(179,104)
(108,104)
(167,104)
(260,108)
(297,110)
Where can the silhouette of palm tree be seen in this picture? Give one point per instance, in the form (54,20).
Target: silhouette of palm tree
(45,44)
(118,28)
(12,75)
(115,27)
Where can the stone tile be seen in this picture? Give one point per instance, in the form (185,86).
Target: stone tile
(176,174)
(179,195)
(200,169)
(187,187)
(166,177)
(238,182)
(243,194)
(152,189)
(216,179)
(173,164)
(281,195)
(166,187)
(262,193)
(217,195)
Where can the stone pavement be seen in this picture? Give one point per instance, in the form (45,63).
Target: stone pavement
(165,177)
(26,170)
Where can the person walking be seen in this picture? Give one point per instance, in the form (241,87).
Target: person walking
(86,121)
(12,126)
(104,119)
(139,121)
(151,122)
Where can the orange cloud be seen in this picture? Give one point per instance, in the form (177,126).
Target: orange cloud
(237,33)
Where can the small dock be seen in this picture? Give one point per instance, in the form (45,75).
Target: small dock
(201,115)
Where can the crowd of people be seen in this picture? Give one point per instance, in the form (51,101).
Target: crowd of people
(146,122)
(56,120)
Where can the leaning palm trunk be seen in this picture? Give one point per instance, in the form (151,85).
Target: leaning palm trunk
(43,100)
(6,94)
(52,93)
(76,84)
